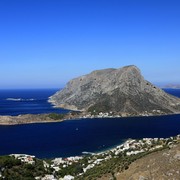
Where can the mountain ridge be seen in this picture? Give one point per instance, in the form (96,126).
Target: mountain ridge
(122,90)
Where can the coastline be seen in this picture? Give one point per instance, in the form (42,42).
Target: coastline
(45,118)
(26,119)
(97,164)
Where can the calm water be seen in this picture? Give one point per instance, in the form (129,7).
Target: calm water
(71,138)
(15,102)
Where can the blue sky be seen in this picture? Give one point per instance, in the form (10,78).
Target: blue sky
(45,43)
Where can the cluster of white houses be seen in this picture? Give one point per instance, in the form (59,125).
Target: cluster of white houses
(128,148)
(115,115)
(24,158)
(64,162)
(132,147)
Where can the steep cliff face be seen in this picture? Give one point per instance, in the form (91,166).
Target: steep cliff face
(121,90)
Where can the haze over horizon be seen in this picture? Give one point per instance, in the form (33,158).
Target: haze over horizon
(45,43)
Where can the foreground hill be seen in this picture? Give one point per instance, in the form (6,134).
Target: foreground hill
(120,91)
(148,158)
(159,165)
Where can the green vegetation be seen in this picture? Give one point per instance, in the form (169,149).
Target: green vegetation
(97,108)
(104,104)
(56,116)
(113,165)
(89,167)
(75,113)
(12,168)
(73,170)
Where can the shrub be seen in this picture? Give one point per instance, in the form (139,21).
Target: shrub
(56,116)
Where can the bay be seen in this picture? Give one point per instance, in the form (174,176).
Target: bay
(72,137)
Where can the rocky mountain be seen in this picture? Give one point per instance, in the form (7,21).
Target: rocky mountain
(121,91)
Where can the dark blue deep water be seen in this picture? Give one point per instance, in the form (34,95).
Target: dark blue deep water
(15,102)
(73,137)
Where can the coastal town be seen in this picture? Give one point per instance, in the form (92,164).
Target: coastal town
(118,115)
(78,167)
(72,115)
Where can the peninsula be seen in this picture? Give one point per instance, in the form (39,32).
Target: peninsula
(27,119)
(37,118)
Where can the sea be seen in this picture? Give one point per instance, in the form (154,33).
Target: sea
(72,137)
(27,101)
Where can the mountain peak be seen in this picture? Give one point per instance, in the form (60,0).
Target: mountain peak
(122,90)
(131,67)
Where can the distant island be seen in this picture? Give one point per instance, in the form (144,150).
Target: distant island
(122,92)
(172,86)
(108,93)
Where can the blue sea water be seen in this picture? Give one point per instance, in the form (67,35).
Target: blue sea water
(34,101)
(174,92)
(70,138)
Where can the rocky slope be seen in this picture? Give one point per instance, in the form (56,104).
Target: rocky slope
(121,90)
(159,165)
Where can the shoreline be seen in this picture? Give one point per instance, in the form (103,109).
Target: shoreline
(114,148)
(7,120)
(122,155)
(110,149)
(26,119)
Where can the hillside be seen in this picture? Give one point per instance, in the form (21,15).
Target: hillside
(159,165)
(121,90)
(148,158)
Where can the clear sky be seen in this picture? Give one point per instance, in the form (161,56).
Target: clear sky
(45,43)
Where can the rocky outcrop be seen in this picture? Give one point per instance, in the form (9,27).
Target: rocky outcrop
(121,90)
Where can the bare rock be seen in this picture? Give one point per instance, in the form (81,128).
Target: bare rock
(121,90)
